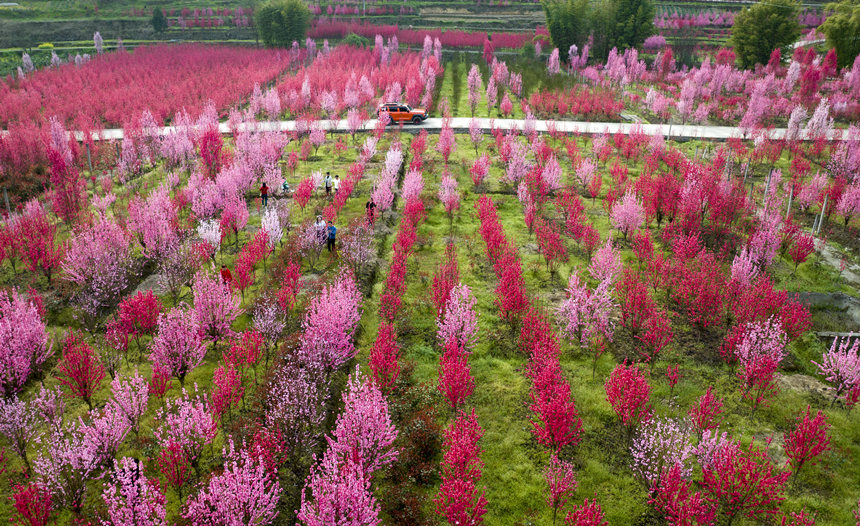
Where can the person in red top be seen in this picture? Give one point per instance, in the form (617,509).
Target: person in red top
(226,277)
(264,193)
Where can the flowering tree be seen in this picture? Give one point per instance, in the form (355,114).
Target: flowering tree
(98,260)
(330,322)
(245,493)
(173,464)
(363,431)
(215,307)
(606,263)
(589,514)
(553,65)
(19,424)
(840,366)
(34,238)
(705,415)
(475,132)
(806,442)
(24,343)
(384,357)
(138,314)
(188,422)
(759,354)
(131,498)
(480,168)
(459,499)
(130,398)
(446,278)
(459,319)
(234,217)
(561,483)
(33,504)
(339,494)
(449,195)
(628,392)
(628,214)
(79,369)
(742,483)
(178,347)
(455,378)
(475,86)
(660,446)
(446,145)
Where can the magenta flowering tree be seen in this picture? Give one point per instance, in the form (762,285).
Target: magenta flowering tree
(458,320)
(459,499)
(480,168)
(628,214)
(178,347)
(215,307)
(24,345)
(363,433)
(759,355)
(245,493)
(131,498)
(188,422)
(806,442)
(455,376)
(330,322)
(234,217)
(130,398)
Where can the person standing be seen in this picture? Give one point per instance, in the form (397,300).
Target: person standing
(327,184)
(264,194)
(321,228)
(226,276)
(332,236)
(370,208)
(336,184)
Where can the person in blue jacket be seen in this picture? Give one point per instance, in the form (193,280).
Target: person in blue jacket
(332,236)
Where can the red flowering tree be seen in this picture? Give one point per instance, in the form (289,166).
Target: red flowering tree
(806,442)
(455,378)
(628,392)
(79,368)
(459,499)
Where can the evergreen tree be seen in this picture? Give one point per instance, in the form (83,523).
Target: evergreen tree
(282,22)
(159,21)
(760,29)
(633,22)
(842,28)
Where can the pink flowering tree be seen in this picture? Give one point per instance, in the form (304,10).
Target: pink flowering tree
(188,422)
(19,423)
(130,398)
(458,320)
(98,261)
(24,345)
(178,347)
(606,263)
(330,322)
(364,431)
(131,498)
(628,214)
(660,445)
(337,493)
(759,355)
(840,366)
(215,307)
(480,168)
(449,195)
(245,490)
(561,483)
(446,144)
(585,314)
(476,134)
(475,85)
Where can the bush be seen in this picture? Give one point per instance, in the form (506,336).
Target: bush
(355,40)
(282,22)
(528,51)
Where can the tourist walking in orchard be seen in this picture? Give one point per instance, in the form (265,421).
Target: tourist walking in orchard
(332,236)
(370,207)
(336,184)
(226,276)
(327,184)
(264,194)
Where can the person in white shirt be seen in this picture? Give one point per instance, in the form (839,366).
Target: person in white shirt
(336,184)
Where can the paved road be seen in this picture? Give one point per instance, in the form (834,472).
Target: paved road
(687,131)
